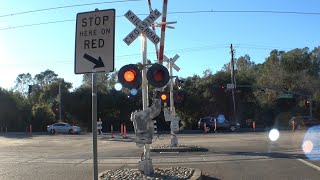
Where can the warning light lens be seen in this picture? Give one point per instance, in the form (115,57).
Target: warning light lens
(163,97)
(158,76)
(129,75)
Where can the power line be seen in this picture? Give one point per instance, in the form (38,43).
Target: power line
(145,14)
(127,56)
(64,7)
(36,24)
(247,11)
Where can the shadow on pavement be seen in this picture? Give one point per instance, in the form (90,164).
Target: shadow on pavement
(268,154)
(18,135)
(119,139)
(205,177)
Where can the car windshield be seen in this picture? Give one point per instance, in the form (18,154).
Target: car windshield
(159,89)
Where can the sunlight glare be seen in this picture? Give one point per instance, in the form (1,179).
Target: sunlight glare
(118,86)
(274,135)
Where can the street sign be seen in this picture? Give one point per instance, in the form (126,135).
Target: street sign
(285,96)
(95,36)
(230,86)
(172,61)
(142,27)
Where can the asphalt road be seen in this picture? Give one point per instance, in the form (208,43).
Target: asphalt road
(229,156)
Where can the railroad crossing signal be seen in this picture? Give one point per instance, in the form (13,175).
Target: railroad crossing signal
(158,76)
(142,27)
(130,77)
(172,61)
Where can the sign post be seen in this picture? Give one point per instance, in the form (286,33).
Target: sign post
(94,127)
(94,52)
(142,27)
(170,65)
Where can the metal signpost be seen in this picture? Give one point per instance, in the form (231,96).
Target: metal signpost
(170,65)
(94,52)
(142,27)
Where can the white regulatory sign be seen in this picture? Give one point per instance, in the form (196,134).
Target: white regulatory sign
(230,86)
(142,27)
(95,36)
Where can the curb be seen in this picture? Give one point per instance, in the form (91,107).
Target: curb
(179,149)
(197,174)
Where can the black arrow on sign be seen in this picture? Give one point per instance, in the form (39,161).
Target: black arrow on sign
(98,62)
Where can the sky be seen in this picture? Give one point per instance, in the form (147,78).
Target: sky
(201,39)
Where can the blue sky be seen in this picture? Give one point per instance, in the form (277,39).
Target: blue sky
(201,39)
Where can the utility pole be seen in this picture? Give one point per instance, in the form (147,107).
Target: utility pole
(310,107)
(60,116)
(233,81)
(174,139)
(148,167)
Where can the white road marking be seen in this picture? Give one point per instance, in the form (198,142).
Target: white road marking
(309,164)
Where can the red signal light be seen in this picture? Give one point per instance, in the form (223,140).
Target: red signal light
(158,75)
(129,75)
(164,97)
(178,96)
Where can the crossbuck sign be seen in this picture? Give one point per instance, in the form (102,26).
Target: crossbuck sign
(172,61)
(142,27)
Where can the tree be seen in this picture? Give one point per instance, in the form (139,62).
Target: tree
(44,78)
(22,83)
(105,81)
(42,116)
(15,111)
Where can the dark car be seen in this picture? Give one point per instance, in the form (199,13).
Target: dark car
(222,124)
(303,121)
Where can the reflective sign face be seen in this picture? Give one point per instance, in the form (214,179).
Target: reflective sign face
(94,47)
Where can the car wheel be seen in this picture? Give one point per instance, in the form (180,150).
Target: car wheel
(70,131)
(52,131)
(233,128)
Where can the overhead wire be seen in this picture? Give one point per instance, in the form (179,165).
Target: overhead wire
(177,12)
(130,56)
(64,7)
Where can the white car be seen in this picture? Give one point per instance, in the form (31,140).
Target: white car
(62,127)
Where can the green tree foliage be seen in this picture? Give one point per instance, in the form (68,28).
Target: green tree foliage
(42,116)
(296,71)
(22,83)
(15,111)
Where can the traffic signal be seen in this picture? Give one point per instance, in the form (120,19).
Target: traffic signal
(158,76)
(165,98)
(178,96)
(29,89)
(129,76)
(178,82)
(306,103)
